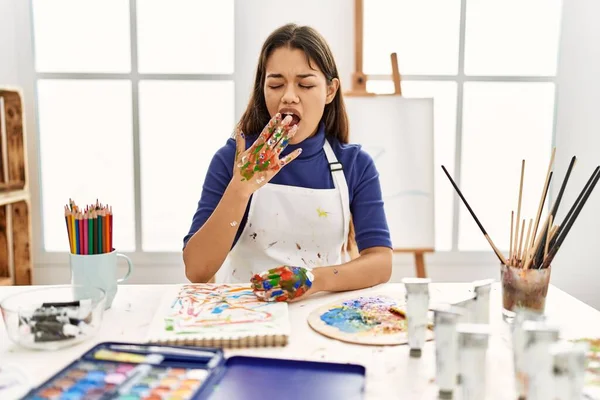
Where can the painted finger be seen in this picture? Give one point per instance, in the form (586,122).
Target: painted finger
(240,144)
(276,295)
(280,132)
(289,158)
(283,143)
(267,132)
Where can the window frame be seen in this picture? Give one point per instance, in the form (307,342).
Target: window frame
(28,79)
(460,79)
(138,256)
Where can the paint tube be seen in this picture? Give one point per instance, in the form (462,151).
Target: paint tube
(466,305)
(518,345)
(472,351)
(481,308)
(446,317)
(417,304)
(538,362)
(569,362)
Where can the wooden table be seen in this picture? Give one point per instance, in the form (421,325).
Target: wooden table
(391,373)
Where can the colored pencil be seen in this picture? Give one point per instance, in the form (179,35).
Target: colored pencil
(89,229)
(105,220)
(110,229)
(68,226)
(85,234)
(99,231)
(73,237)
(91,233)
(77,241)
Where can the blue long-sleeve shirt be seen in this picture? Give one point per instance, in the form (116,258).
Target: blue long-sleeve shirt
(309,170)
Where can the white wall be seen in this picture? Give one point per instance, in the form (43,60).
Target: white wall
(8,43)
(577,266)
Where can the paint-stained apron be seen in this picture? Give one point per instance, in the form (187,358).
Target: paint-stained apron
(290,225)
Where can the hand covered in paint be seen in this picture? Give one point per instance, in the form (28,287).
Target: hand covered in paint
(255,166)
(283,283)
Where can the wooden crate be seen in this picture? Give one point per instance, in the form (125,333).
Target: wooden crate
(12,141)
(5,262)
(15,239)
(15,221)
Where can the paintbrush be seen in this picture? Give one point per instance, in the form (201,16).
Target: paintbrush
(498,253)
(538,255)
(531,245)
(518,220)
(563,231)
(544,194)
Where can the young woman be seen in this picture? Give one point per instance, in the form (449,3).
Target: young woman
(285,196)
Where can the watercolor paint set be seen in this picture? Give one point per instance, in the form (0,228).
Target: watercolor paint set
(133,371)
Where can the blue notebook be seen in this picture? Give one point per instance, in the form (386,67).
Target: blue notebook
(114,370)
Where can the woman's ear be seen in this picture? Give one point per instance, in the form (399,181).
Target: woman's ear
(332,89)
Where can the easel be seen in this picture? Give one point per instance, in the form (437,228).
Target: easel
(359,88)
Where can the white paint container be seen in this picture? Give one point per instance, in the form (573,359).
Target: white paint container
(417,304)
(472,352)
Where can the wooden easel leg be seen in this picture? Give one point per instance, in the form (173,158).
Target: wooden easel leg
(420,265)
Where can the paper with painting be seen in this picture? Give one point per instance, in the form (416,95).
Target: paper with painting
(373,320)
(223,315)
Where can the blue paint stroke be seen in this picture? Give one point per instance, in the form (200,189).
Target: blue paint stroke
(220,308)
(349,320)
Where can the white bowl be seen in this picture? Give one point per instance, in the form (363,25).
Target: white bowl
(53,317)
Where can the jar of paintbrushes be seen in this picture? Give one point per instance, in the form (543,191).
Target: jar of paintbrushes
(525,274)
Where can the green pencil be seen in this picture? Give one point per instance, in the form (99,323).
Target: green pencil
(91,247)
(99,221)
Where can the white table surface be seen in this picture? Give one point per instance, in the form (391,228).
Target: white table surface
(391,373)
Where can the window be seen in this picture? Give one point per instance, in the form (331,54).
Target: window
(493,90)
(124,91)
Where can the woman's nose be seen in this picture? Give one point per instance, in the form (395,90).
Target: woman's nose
(290,96)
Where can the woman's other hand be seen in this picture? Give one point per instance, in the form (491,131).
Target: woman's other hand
(283,283)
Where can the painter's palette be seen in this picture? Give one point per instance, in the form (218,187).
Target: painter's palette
(375,320)
(106,374)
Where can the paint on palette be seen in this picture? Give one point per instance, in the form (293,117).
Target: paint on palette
(365,315)
(282,283)
(209,307)
(92,380)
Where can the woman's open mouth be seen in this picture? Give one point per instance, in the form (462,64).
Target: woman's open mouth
(295,117)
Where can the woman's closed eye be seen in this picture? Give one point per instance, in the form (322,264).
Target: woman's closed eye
(302,86)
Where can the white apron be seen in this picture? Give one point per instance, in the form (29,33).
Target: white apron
(290,225)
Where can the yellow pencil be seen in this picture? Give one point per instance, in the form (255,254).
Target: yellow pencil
(72,218)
